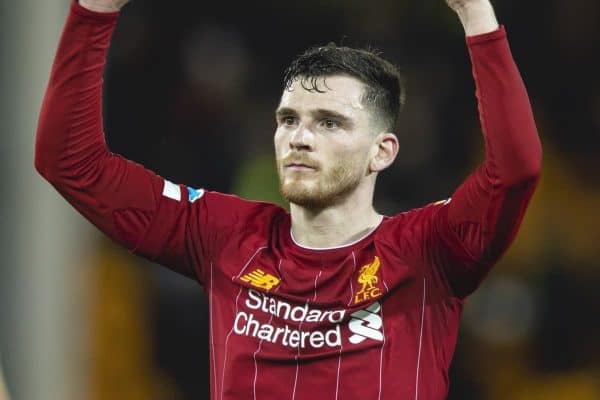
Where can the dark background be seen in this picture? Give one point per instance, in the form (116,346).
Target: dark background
(191,90)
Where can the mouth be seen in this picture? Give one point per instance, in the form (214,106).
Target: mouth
(300,167)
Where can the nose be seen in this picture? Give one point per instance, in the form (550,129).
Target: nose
(302,139)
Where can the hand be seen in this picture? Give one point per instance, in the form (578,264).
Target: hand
(103,5)
(477,16)
(459,6)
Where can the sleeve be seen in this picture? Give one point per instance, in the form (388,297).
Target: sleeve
(467,234)
(145,213)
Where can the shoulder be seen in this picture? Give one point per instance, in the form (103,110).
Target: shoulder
(237,227)
(231,209)
(417,216)
(411,226)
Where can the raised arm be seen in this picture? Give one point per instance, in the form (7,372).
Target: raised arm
(132,205)
(469,233)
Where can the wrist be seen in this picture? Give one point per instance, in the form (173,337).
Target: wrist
(98,7)
(478,18)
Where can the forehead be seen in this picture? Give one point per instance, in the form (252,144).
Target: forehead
(338,92)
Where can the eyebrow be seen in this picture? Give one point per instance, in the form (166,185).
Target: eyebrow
(285,112)
(319,113)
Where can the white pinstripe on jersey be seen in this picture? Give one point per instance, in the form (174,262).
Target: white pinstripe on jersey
(351,279)
(420,341)
(236,311)
(383,344)
(262,340)
(211,300)
(300,328)
(337,379)
(255,363)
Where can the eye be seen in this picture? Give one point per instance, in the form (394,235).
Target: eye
(330,124)
(288,120)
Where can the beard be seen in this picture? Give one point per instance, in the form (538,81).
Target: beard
(321,188)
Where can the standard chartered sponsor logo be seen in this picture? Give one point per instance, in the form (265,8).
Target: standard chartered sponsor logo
(365,324)
(246,324)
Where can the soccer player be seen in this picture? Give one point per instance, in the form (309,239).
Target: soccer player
(332,300)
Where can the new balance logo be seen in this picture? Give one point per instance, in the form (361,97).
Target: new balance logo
(366,324)
(260,279)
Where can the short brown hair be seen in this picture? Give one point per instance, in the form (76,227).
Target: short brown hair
(384,92)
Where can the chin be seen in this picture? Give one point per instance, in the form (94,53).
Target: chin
(310,201)
(311,197)
(302,194)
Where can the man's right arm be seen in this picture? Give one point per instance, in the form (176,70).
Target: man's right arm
(132,205)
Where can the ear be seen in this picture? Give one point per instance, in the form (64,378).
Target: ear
(384,151)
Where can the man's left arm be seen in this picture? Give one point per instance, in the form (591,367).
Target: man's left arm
(470,232)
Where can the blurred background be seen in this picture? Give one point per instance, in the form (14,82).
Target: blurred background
(190,92)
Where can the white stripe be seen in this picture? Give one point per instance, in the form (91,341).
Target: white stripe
(387,289)
(255,364)
(227,342)
(295,380)
(316,279)
(280,276)
(212,335)
(232,324)
(297,364)
(420,342)
(248,263)
(351,287)
(381,353)
(300,328)
(383,345)
(337,381)
(171,190)
(259,347)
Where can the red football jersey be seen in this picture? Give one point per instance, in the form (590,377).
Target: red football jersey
(375,319)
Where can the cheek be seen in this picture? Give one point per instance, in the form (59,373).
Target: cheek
(352,158)
(347,149)
(278,141)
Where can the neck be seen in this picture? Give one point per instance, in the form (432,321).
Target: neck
(336,225)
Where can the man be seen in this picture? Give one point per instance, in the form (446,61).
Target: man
(333,300)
